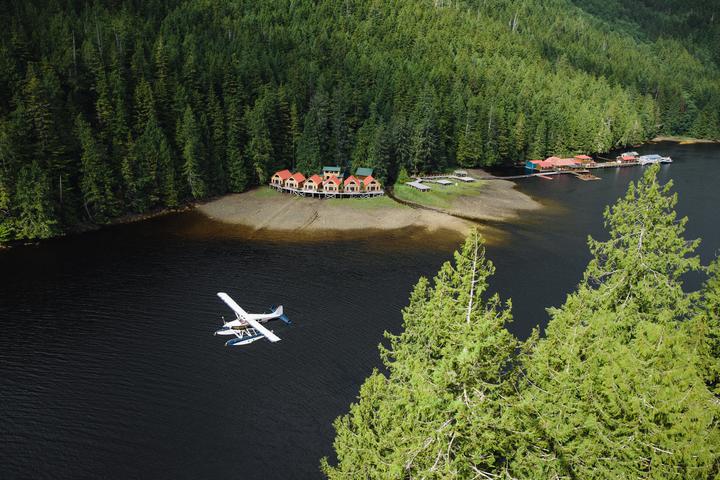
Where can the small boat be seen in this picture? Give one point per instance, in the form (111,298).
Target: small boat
(653,158)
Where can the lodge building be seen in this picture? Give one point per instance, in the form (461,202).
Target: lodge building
(332,183)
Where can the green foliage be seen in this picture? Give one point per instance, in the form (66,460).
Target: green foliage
(193,155)
(494,82)
(445,384)
(403,176)
(96,184)
(624,383)
(439,196)
(34,216)
(705,327)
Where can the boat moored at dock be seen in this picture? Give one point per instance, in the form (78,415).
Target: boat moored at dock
(653,158)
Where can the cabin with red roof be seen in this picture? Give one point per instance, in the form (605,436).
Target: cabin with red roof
(564,163)
(628,157)
(296,180)
(351,184)
(331,184)
(583,159)
(538,165)
(313,184)
(552,163)
(278,179)
(370,184)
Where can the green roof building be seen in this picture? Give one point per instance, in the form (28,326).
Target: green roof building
(331,171)
(363,172)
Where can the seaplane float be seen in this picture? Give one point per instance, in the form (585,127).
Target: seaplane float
(247,327)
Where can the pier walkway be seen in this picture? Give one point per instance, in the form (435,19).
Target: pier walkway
(322,194)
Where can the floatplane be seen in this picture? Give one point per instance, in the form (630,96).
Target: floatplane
(247,327)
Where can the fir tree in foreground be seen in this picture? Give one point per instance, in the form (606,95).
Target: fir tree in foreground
(622,385)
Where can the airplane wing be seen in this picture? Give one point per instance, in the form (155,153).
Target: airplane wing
(245,316)
(266,316)
(268,334)
(231,303)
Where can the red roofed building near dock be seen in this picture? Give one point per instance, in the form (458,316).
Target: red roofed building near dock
(351,184)
(295,181)
(278,180)
(541,165)
(313,184)
(628,157)
(584,159)
(331,184)
(370,184)
(553,163)
(564,163)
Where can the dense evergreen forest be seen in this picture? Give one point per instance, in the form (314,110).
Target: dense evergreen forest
(116,107)
(625,382)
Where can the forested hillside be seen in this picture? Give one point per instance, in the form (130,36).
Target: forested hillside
(125,106)
(624,383)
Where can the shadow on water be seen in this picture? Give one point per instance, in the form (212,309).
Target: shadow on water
(108,366)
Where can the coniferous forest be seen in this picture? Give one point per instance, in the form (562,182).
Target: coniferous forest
(108,108)
(623,383)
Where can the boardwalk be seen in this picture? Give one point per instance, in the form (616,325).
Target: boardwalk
(320,194)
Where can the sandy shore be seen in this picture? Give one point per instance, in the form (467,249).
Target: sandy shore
(263,209)
(683,140)
(260,210)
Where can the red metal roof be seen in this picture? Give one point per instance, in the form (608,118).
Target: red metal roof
(333,179)
(367,180)
(298,177)
(565,162)
(316,179)
(583,157)
(351,179)
(283,174)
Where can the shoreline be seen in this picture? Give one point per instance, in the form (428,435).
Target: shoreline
(682,140)
(263,210)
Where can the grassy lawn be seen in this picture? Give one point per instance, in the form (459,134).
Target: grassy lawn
(265,192)
(440,196)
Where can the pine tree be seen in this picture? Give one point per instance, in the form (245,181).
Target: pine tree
(34,217)
(238,172)
(705,328)
(6,222)
(425,154)
(218,145)
(616,388)
(6,161)
(96,185)
(314,144)
(259,147)
(434,415)
(188,139)
(294,133)
(470,143)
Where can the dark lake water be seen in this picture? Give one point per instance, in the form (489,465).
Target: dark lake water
(108,366)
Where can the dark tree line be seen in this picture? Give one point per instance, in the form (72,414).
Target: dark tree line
(115,107)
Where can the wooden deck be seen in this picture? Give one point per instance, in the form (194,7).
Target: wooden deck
(440,176)
(309,193)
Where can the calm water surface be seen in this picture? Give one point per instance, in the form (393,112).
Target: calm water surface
(108,366)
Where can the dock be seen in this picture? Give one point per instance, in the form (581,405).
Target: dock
(417,185)
(300,192)
(585,175)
